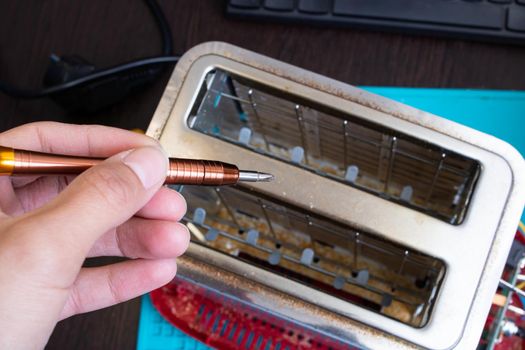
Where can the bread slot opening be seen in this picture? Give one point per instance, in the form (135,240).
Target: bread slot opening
(329,256)
(337,145)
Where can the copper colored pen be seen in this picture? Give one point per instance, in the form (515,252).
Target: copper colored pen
(181,171)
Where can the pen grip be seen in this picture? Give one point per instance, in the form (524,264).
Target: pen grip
(201,172)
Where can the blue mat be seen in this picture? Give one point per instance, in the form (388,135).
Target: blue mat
(499,113)
(155,333)
(495,112)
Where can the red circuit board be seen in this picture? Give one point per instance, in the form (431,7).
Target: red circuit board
(506,342)
(226,324)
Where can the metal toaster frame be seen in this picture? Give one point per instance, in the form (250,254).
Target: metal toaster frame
(473,251)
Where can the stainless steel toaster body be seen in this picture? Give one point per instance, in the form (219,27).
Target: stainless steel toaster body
(386,227)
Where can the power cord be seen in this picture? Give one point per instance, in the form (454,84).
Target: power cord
(78,86)
(103,73)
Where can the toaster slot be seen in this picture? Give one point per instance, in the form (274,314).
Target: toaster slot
(335,144)
(358,267)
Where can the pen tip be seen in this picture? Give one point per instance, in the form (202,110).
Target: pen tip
(254,176)
(265,177)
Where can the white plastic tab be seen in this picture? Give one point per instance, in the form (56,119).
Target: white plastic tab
(406,193)
(339,282)
(274,258)
(297,154)
(245,135)
(351,173)
(252,237)
(307,256)
(362,277)
(199,215)
(211,235)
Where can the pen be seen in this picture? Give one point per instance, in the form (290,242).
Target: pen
(15,162)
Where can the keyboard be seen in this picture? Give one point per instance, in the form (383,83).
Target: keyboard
(488,20)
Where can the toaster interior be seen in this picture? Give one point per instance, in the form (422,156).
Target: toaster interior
(335,144)
(358,267)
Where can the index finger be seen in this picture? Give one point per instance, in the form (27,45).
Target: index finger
(75,140)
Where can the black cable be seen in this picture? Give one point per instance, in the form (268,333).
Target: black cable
(158,14)
(19,93)
(167,42)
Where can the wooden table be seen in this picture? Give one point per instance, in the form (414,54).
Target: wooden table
(109,32)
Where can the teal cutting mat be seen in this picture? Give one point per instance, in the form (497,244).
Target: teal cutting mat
(499,113)
(155,333)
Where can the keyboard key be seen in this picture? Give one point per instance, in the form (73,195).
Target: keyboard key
(279,5)
(501,1)
(516,18)
(315,6)
(247,4)
(482,15)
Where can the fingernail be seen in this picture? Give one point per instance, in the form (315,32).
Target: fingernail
(150,164)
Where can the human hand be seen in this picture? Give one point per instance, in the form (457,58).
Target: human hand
(117,208)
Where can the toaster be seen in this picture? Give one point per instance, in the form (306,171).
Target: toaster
(385,226)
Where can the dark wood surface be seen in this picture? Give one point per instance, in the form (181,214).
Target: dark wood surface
(108,32)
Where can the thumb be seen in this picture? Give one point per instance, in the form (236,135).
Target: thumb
(103,197)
